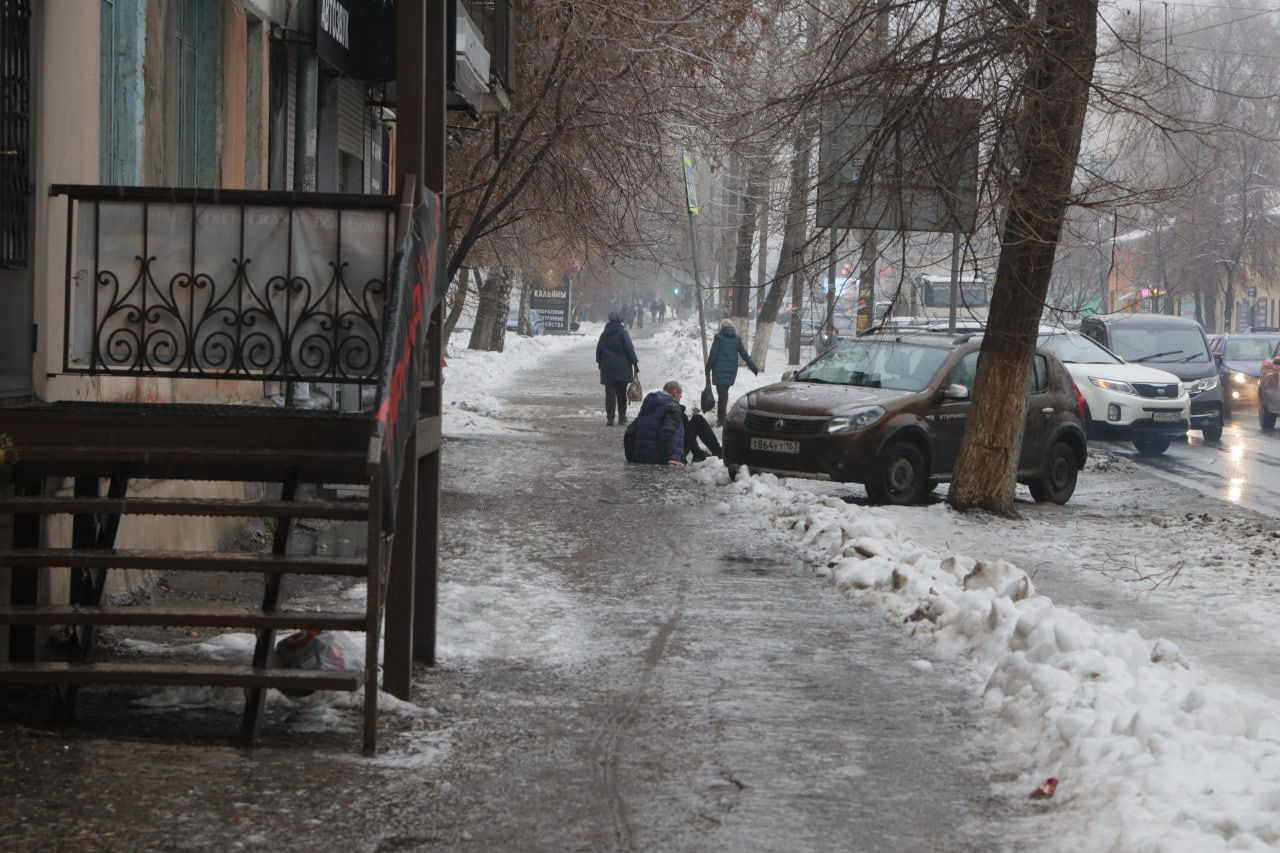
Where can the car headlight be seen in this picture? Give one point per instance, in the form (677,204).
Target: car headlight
(738,412)
(1239,378)
(860,419)
(1114,385)
(1202,385)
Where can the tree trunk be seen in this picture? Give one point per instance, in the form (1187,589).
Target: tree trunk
(1049,126)
(793,234)
(457,302)
(742,254)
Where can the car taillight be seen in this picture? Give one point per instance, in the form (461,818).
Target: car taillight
(1079,401)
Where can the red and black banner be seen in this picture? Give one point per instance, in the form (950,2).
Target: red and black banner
(416,289)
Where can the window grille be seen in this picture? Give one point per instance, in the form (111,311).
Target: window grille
(15,122)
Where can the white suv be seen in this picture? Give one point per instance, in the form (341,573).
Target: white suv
(1124,401)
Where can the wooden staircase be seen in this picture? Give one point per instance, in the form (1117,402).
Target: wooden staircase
(81,459)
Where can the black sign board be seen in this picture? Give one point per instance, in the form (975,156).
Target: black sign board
(357,37)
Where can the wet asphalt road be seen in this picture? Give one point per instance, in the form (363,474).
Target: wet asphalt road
(687,684)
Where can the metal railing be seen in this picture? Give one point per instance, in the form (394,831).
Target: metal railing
(226,284)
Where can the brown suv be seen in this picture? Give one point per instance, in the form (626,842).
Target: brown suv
(889,411)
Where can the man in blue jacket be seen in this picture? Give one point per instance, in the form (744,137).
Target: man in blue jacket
(656,435)
(663,434)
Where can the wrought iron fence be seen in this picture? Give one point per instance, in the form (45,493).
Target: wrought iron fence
(200,283)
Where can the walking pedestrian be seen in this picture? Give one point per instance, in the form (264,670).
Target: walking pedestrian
(639,314)
(662,310)
(616,358)
(722,364)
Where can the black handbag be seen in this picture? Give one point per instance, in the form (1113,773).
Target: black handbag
(708,399)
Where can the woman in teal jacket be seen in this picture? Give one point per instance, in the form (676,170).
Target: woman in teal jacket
(722,365)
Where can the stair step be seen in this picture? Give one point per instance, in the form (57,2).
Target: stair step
(51,505)
(205,616)
(192,463)
(178,675)
(194,561)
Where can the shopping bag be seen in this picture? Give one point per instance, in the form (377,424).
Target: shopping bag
(635,393)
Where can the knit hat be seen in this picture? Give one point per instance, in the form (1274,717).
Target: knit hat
(615,317)
(726,322)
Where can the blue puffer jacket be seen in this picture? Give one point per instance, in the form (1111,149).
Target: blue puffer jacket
(615,355)
(722,361)
(657,433)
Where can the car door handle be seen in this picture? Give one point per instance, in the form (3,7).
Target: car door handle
(1047,411)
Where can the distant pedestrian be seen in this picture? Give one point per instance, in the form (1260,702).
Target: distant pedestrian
(628,314)
(662,310)
(616,358)
(653,311)
(722,364)
(639,315)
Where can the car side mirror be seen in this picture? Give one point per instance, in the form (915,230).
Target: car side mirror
(955,392)
(788,375)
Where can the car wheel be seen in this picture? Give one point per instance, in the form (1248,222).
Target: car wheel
(1266,419)
(899,477)
(1059,482)
(733,472)
(1213,433)
(1150,446)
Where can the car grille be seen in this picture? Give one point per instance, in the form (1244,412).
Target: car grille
(1164,391)
(785,427)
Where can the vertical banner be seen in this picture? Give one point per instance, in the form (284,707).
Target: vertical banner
(690,194)
(416,289)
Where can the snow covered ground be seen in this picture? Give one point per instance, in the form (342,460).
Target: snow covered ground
(1145,686)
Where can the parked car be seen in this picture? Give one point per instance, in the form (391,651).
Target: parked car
(842,328)
(1123,401)
(1269,390)
(808,328)
(889,411)
(535,321)
(1175,344)
(1239,356)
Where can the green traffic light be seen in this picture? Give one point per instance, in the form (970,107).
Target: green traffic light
(675,290)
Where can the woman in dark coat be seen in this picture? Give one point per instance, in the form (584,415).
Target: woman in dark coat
(722,364)
(616,358)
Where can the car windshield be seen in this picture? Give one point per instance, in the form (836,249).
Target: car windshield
(876,363)
(1249,349)
(1075,348)
(1169,345)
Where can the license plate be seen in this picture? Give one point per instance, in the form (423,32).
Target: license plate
(775,445)
(1164,417)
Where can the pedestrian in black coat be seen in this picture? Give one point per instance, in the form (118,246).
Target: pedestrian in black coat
(616,358)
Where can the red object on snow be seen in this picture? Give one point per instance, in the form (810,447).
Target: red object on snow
(1046,789)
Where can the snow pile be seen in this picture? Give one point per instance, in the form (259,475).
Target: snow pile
(1150,754)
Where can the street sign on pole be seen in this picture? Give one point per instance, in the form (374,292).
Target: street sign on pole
(691,199)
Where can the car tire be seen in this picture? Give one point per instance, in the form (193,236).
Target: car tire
(900,477)
(733,472)
(1213,433)
(1059,482)
(1151,445)
(1266,419)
